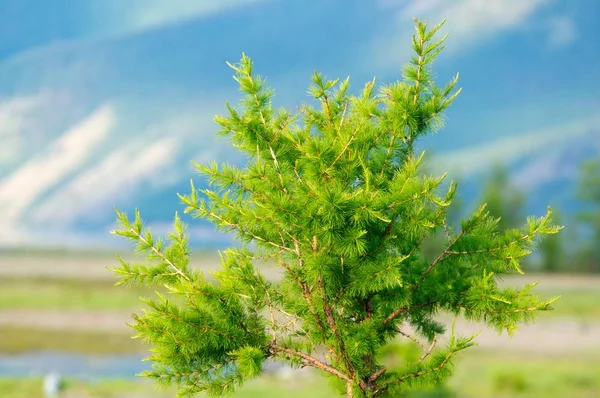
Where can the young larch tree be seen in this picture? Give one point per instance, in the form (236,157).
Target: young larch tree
(332,195)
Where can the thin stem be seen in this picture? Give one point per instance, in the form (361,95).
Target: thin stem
(429,350)
(375,376)
(161,255)
(256,237)
(404,310)
(426,371)
(412,338)
(306,294)
(345,147)
(310,361)
(332,325)
(440,258)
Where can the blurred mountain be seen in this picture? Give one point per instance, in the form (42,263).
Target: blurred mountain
(548,176)
(96,164)
(103,104)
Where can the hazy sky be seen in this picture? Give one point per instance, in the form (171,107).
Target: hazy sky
(102,100)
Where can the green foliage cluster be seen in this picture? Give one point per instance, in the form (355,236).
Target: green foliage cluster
(589,194)
(333,195)
(579,250)
(504,200)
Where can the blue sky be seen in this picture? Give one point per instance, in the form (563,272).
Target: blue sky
(104,100)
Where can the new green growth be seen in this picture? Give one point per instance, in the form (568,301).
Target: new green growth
(334,196)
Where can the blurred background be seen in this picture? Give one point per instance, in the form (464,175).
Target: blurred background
(105,102)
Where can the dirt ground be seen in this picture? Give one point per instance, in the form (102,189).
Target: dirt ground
(548,336)
(76,265)
(73,265)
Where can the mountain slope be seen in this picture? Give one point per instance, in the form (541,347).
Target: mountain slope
(103,105)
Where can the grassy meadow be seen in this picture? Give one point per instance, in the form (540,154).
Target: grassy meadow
(478,374)
(75,294)
(77,309)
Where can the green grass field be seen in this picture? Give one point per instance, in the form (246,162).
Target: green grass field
(501,375)
(19,293)
(479,374)
(44,293)
(19,339)
(575,303)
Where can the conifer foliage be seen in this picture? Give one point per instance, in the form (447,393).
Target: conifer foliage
(333,196)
